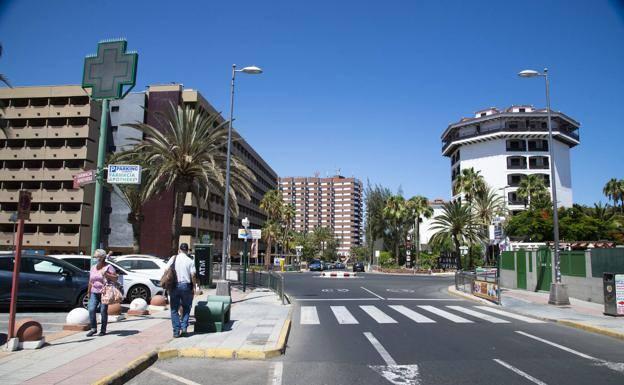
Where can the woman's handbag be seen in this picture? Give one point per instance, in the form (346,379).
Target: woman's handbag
(169,280)
(111,294)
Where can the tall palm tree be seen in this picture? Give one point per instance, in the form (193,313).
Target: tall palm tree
(455,223)
(469,182)
(531,188)
(610,190)
(287,219)
(273,205)
(602,213)
(322,236)
(132,196)
(270,231)
(417,207)
(3,78)
(396,214)
(188,155)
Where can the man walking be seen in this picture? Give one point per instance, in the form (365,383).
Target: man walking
(183,291)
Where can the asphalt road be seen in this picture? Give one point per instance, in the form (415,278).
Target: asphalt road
(382,329)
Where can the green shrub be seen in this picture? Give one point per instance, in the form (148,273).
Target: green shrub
(386,260)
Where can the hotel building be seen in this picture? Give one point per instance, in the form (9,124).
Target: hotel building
(507,145)
(335,203)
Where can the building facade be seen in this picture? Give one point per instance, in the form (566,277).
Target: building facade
(335,203)
(50,134)
(507,145)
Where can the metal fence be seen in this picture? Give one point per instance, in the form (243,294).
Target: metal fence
(465,281)
(270,280)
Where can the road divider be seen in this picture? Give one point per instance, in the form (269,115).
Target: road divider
(338,274)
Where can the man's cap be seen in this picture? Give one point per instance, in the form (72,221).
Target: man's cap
(184,246)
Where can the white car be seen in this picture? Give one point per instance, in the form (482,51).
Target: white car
(153,267)
(135,285)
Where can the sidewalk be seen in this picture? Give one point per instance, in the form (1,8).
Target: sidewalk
(133,344)
(579,314)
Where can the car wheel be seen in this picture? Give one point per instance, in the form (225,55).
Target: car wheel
(83,300)
(138,291)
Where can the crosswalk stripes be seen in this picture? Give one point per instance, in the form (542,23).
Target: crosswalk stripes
(377,314)
(511,315)
(476,314)
(411,314)
(310,316)
(445,314)
(343,316)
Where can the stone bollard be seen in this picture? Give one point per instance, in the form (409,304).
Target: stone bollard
(29,334)
(114,313)
(138,307)
(77,319)
(158,303)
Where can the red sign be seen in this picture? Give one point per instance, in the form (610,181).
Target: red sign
(83,178)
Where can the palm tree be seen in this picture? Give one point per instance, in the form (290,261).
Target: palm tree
(531,187)
(418,206)
(133,198)
(3,78)
(188,155)
(455,223)
(470,183)
(611,190)
(273,205)
(288,216)
(602,213)
(270,231)
(396,214)
(322,236)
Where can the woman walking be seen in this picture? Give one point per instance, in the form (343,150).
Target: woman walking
(98,277)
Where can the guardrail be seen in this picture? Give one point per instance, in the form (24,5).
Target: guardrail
(270,280)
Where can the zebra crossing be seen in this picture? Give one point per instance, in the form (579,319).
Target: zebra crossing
(426,314)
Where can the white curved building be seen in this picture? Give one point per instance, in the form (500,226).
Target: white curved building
(507,145)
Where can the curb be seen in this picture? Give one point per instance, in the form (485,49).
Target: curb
(574,324)
(137,366)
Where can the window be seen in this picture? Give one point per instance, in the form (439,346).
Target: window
(114,128)
(516,162)
(114,108)
(81,263)
(514,179)
(483,114)
(538,145)
(45,266)
(513,125)
(126,264)
(516,145)
(146,265)
(538,162)
(6,264)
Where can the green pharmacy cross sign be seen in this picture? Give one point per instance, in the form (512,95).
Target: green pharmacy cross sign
(107,72)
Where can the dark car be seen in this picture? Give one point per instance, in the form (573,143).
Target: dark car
(339,266)
(358,266)
(43,281)
(316,266)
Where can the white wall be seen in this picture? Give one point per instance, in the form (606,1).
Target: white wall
(426,232)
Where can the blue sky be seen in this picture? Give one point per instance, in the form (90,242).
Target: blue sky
(364,86)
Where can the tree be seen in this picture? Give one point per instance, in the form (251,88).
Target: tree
(531,188)
(133,198)
(324,241)
(273,205)
(3,78)
(376,198)
(417,207)
(359,253)
(270,231)
(287,219)
(455,223)
(470,183)
(188,155)
(396,214)
(610,190)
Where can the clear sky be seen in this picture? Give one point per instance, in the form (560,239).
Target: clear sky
(364,86)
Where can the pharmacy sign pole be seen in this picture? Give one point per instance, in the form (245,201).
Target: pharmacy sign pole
(106,73)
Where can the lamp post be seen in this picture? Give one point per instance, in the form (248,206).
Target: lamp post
(558,291)
(504,188)
(253,70)
(245,223)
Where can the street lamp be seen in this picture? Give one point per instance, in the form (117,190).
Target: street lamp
(558,291)
(504,188)
(252,70)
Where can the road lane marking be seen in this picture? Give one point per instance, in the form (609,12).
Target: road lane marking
(335,299)
(445,314)
(376,295)
(278,370)
(476,314)
(377,315)
(309,316)
(380,349)
(520,372)
(343,316)
(510,315)
(173,376)
(617,366)
(424,299)
(411,314)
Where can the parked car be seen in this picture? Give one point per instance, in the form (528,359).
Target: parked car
(316,266)
(151,266)
(339,265)
(358,266)
(43,281)
(328,265)
(135,285)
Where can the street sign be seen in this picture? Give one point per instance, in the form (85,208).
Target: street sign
(83,178)
(107,72)
(23,207)
(124,174)
(249,234)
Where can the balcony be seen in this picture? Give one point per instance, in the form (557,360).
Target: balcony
(56,217)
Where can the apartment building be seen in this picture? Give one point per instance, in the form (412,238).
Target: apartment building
(506,145)
(335,203)
(209,216)
(49,134)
